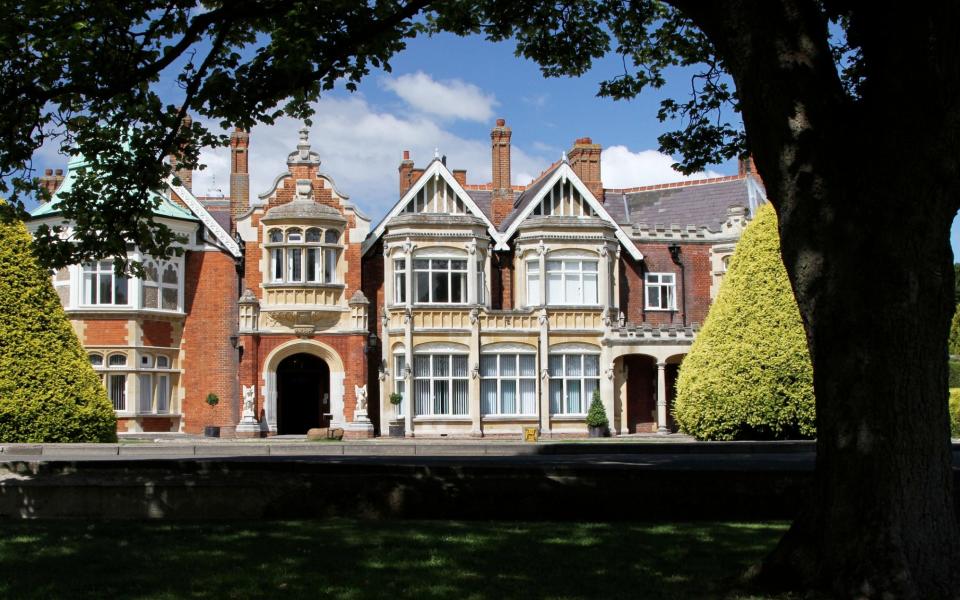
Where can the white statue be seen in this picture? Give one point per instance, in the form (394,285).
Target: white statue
(361,392)
(249,396)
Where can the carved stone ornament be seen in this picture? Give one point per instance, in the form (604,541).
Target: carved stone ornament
(609,371)
(472,247)
(541,248)
(249,396)
(542,318)
(474,316)
(603,251)
(303,331)
(621,320)
(407,315)
(607,321)
(408,246)
(544,374)
(361,393)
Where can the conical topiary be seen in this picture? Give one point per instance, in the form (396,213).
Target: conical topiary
(48,390)
(748,374)
(597,414)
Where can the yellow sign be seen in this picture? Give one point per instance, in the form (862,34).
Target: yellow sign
(530,434)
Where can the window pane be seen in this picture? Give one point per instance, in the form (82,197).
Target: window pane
(170,275)
(151,297)
(163,393)
(276,236)
(533,289)
(440,264)
(591,364)
(169,298)
(294,235)
(588,386)
(572,289)
(313,262)
(458,291)
(163,362)
(652,297)
(332,236)
(441,399)
(118,360)
(276,257)
(421,365)
(313,234)
(573,396)
(89,288)
(150,272)
(590,266)
(106,284)
(421,393)
(421,265)
(330,269)
(556,365)
(590,289)
(120,290)
(508,396)
(574,365)
(441,292)
(508,365)
(146,394)
(488,365)
(118,391)
(553,266)
(461,395)
(488,396)
(295,256)
(400,287)
(423,287)
(460,365)
(556,396)
(555,289)
(528,396)
(571,265)
(441,365)
(528,365)
(458,265)
(96,360)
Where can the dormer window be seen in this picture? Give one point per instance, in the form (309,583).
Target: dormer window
(298,257)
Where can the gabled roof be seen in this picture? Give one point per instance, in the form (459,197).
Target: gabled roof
(532,196)
(434,169)
(222,235)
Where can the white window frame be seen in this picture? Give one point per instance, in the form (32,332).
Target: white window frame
(564,380)
(97,270)
(533,283)
(664,285)
(161,267)
(455,406)
(318,258)
(498,378)
(566,276)
(400,382)
(432,270)
(399,281)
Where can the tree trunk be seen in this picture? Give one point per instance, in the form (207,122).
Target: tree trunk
(874,283)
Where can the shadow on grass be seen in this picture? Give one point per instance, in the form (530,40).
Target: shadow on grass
(354,559)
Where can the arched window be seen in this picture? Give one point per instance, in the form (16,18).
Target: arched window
(313,235)
(275,236)
(118,360)
(163,362)
(95,359)
(117,382)
(331,236)
(161,285)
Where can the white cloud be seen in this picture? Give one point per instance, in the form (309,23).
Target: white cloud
(451,99)
(621,168)
(360,148)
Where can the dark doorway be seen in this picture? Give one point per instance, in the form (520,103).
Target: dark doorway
(303,394)
(641,393)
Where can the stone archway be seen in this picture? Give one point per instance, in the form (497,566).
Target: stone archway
(320,351)
(303,394)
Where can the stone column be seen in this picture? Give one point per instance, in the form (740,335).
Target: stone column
(607,388)
(662,398)
(408,381)
(542,380)
(472,273)
(542,252)
(474,366)
(603,281)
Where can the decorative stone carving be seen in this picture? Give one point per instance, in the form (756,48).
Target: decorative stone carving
(602,250)
(249,397)
(542,318)
(408,246)
(472,247)
(474,316)
(541,248)
(360,413)
(303,331)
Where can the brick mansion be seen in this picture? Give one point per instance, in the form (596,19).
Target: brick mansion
(467,310)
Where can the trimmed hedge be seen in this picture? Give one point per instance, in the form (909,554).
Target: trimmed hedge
(748,374)
(954,343)
(955,412)
(48,390)
(954,380)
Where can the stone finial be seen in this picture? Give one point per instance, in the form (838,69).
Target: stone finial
(358,297)
(304,191)
(303,154)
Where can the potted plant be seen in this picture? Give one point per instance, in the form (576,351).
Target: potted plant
(597,421)
(396,426)
(212,430)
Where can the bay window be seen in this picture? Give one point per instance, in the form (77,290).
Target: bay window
(660,291)
(572,282)
(399,382)
(440,280)
(296,256)
(573,377)
(533,283)
(400,281)
(508,384)
(160,285)
(441,384)
(101,286)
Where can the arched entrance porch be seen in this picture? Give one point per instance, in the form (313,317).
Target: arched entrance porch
(272,373)
(642,377)
(303,394)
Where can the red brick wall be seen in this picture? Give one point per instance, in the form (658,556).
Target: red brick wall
(656,259)
(373,289)
(105,332)
(501,284)
(157,333)
(209,361)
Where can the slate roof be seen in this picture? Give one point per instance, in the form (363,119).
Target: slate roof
(701,203)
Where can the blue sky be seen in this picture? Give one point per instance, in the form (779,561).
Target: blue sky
(445,92)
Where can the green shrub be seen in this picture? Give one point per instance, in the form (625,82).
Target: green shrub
(48,390)
(213,399)
(955,412)
(748,374)
(954,373)
(954,343)
(597,415)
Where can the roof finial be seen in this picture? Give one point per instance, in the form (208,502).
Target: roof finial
(304,146)
(564,156)
(436,152)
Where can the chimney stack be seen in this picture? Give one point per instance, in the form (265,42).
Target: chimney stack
(406,170)
(184,175)
(51,181)
(584,159)
(502,202)
(239,173)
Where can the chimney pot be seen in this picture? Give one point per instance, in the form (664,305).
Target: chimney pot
(59,171)
(501,122)
(48,172)
(406,155)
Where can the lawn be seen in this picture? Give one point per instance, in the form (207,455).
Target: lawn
(351,559)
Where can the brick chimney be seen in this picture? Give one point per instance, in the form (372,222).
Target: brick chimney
(406,171)
(461,176)
(239,173)
(584,159)
(502,202)
(184,175)
(51,181)
(746,166)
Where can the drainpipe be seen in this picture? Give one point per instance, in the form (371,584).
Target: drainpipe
(675,257)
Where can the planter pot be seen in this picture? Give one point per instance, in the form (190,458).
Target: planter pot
(396,429)
(597,432)
(211,431)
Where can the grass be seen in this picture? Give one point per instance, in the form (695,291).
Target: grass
(352,559)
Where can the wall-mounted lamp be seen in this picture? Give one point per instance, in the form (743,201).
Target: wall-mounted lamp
(674,253)
(371,342)
(234,341)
